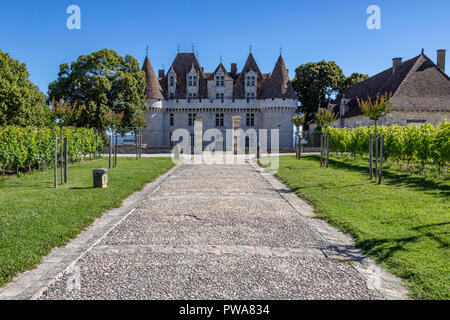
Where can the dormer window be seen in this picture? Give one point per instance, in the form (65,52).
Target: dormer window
(172,81)
(251,81)
(251,95)
(192,81)
(220,81)
(220,96)
(192,95)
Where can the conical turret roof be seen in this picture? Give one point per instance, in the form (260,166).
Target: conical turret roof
(153,89)
(279,85)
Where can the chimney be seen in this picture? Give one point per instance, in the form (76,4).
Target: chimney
(161,73)
(396,64)
(441,59)
(233,69)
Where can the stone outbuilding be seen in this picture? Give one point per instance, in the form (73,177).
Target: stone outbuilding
(420,94)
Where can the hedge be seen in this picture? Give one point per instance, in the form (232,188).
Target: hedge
(25,148)
(425,143)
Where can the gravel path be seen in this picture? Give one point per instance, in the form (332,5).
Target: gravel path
(213,232)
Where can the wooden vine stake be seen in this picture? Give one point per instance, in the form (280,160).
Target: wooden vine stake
(371,157)
(66,160)
(55,165)
(380,175)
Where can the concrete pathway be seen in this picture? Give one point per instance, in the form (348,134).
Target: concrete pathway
(210,232)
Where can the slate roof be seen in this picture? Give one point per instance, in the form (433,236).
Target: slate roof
(418,85)
(182,65)
(153,88)
(275,85)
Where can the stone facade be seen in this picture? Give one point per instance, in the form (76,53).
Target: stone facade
(166,116)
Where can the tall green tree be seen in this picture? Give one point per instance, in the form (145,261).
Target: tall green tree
(316,83)
(103,82)
(21,102)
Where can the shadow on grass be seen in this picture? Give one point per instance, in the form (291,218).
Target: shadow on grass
(33,186)
(395,178)
(383,249)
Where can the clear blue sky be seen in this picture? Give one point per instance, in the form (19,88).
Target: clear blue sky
(35,32)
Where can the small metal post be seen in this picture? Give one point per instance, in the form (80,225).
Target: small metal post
(97,154)
(66,158)
(371,156)
(381,159)
(137,144)
(55,175)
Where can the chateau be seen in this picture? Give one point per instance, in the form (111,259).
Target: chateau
(186,91)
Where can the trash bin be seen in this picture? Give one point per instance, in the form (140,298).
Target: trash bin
(101,178)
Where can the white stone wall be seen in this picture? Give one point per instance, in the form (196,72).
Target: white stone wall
(269,114)
(282,122)
(153,133)
(401,118)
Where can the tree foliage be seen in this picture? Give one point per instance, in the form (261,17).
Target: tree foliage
(353,79)
(378,108)
(103,82)
(298,120)
(21,102)
(325,117)
(315,83)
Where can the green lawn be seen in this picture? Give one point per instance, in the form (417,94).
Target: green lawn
(35,218)
(404,223)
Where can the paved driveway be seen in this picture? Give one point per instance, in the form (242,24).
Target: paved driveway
(220,232)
